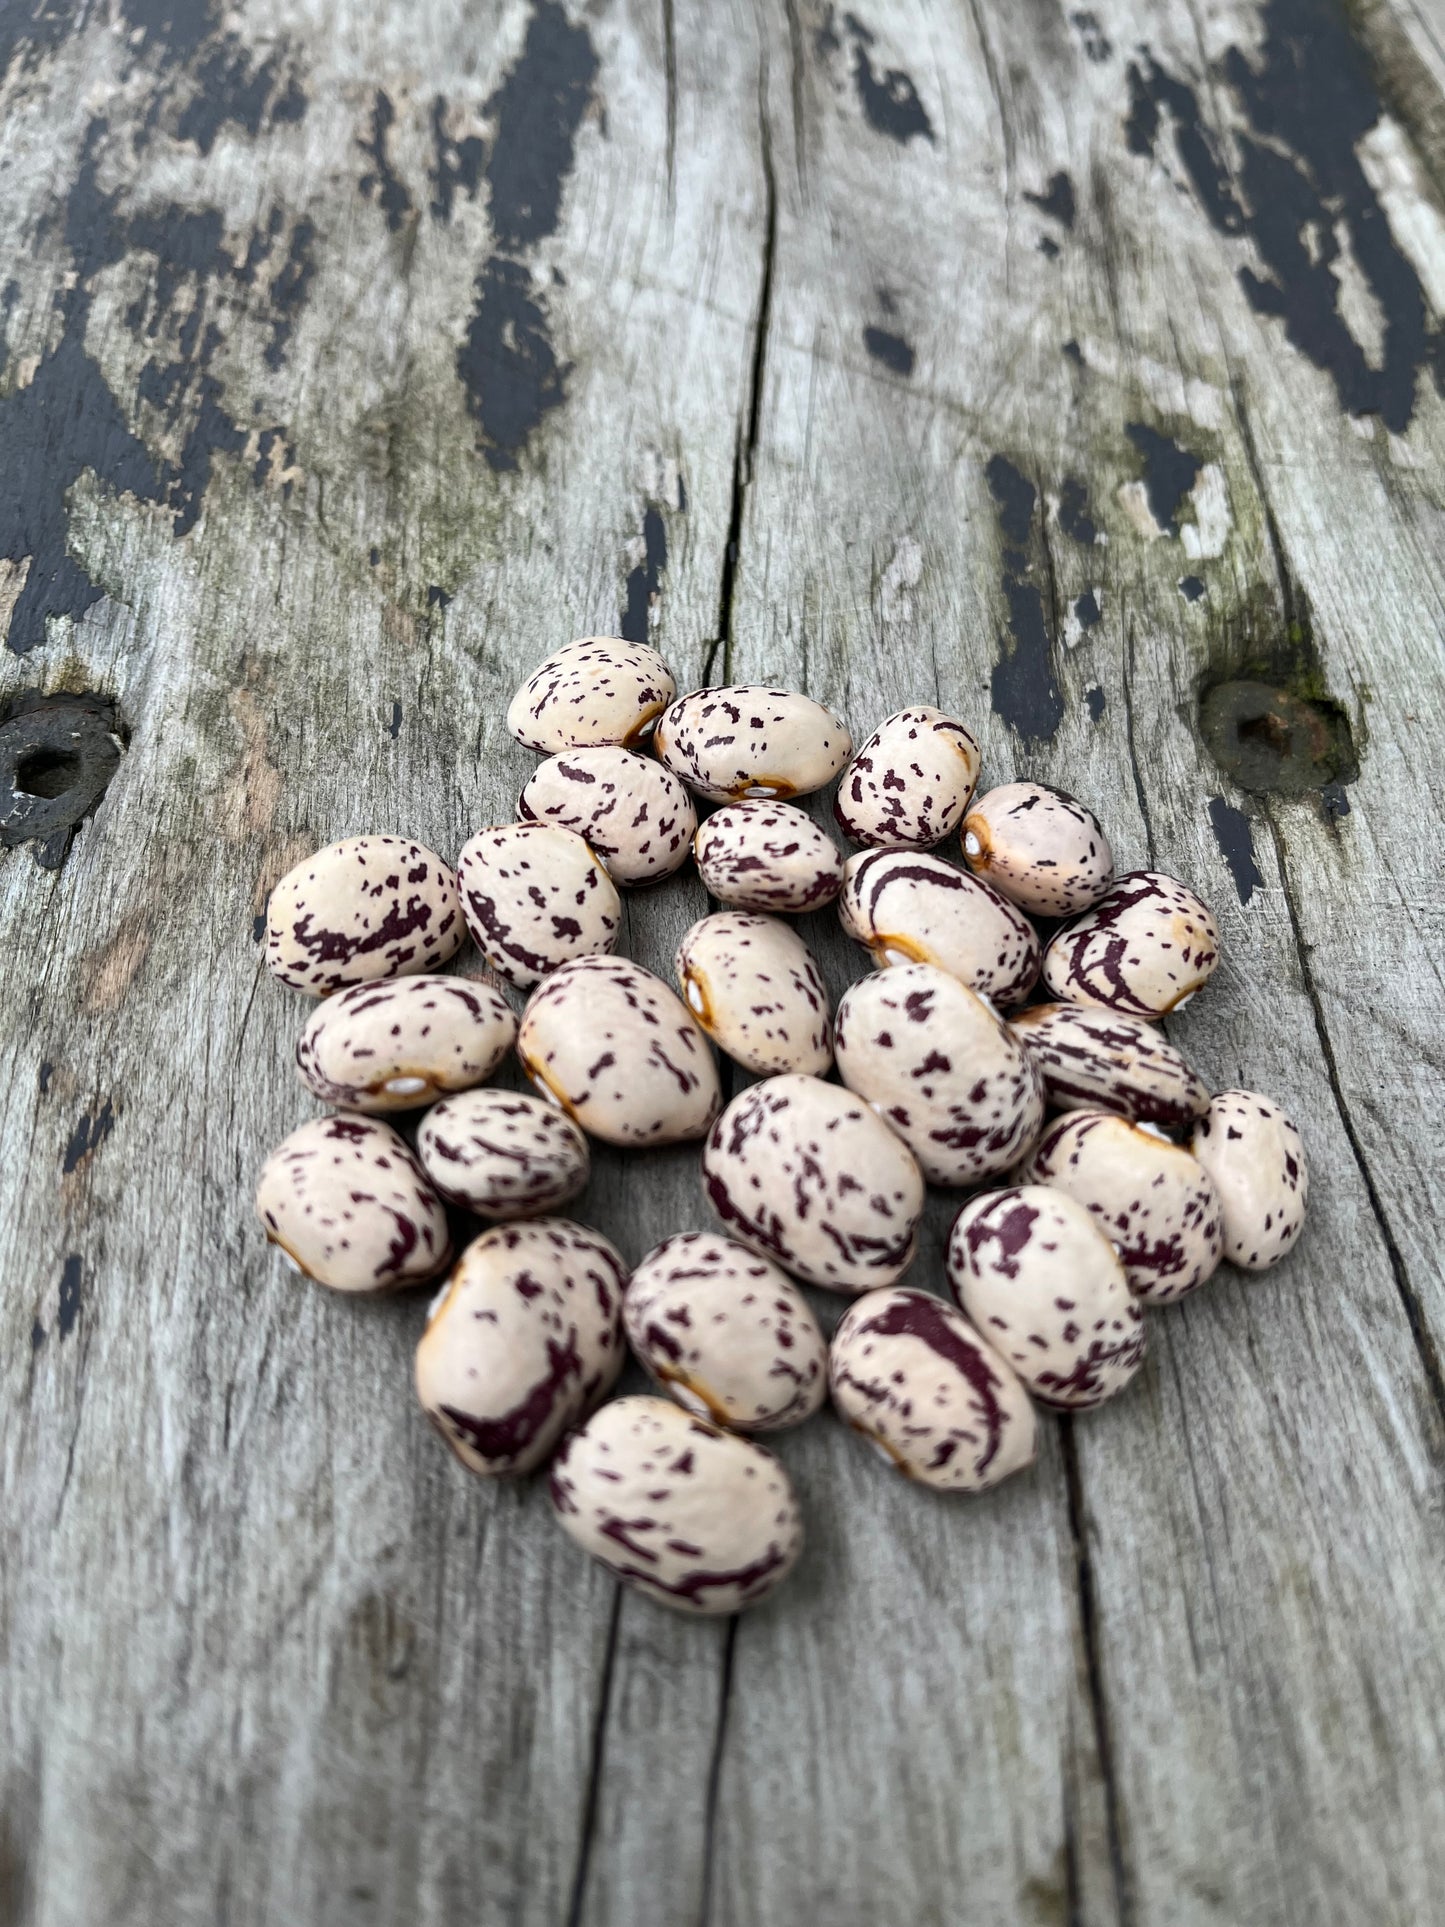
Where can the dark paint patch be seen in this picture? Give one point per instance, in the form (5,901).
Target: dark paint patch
(436,596)
(231,91)
(892,350)
(1057,200)
(88,1136)
(1097,44)
(393,728)
(456,164)
(1169,472)
(1087,612)
(1074,517)
(1097,702)
(890,101)
(1191,587)
(507,364)
(58,754)
(37,1336)
(1075,353)
(381,183)
(1048,248)
(258,927)
(1023,687)
(1307,97)
(644,583)
(1336,803)
(68,1309)
(1235,837)
(288,293)
(47,1071)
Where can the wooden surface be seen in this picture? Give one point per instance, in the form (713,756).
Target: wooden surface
(354,357)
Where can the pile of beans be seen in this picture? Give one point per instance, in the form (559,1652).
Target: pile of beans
(1103,1175)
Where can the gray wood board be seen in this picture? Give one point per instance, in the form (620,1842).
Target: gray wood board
(1055,364)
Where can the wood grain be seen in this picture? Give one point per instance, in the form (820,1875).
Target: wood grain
(1058,365)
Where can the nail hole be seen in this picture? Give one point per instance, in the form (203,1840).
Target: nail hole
(47,773)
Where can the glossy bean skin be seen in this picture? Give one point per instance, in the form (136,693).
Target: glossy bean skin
(1144,948)
(502,1154)
(910,783)
(747,740)
(910,906)
(694,1517)
(770,857)
(631,812)
(535,897)
(348,1204)
(363,909)
(521,1342)
(1040,847)
(598,690)
(913,1377)
(1253,1151)
(1101,1060)
(752,983)
(403,1043)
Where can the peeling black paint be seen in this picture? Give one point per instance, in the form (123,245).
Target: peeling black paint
(1048,247)
(644,583)
(1169,472)
(1074,352)
(1074,517)
(68,1308)
(289,291)
(1097,702)
(37,1336)
(1306,98)
(507,364)
(1014,497)
(1057,200)
(231,90)
(258,927)
(381,183)
(890,100)
(66,420)
(1235,837)
(393,728)
(57,757)
(436,596)
(892,350)
(47,1071)
(1097,44)
(1086,610)
(88,1136)
(456,164)
(1024,690)
(1336,803)
(1191,587)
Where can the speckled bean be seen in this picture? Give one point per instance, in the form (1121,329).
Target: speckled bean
(536,897)
(746,740)
(1044,1285)
(1155,1203)
(1101,1060)
(597,690)
(397,1045)
(364,908)
(344,1199)
(768,856)
(620,1053)
(914,1378)
(909,785)
(1145,946)
(1254,1154)
(521,1342)
(810,1176)
(752,984)
(941,1070)
(908,906)
(1039,847)
(726,1334)
(503,1155)
(634,814)
(694,1517)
